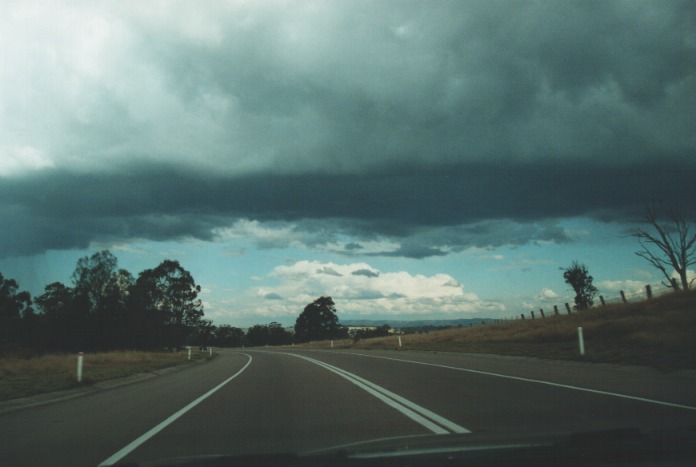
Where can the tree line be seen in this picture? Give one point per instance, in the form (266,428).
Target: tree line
(104,308)
(318,321)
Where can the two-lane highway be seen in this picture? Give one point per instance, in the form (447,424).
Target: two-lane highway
(271,401)
(507,395)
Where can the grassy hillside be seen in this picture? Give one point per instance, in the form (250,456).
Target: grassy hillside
(657,333)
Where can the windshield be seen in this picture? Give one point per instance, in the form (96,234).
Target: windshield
(257,228)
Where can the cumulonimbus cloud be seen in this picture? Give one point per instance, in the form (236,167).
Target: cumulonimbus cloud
(422,125)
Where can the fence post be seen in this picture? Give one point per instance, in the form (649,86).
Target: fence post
(522,315)
(623,296)
(581,341)
(601,299)
(675,284)
(555,310)
(532,313)
(567,307)
(648,291)
(541,310)
(80,359)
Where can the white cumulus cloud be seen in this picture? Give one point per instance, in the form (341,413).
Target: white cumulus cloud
(547,294)
(360,289)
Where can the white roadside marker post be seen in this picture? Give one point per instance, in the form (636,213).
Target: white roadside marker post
(581,341)
(189,353)
(80,359)
(399,340)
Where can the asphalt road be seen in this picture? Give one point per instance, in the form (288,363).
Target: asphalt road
(266,401)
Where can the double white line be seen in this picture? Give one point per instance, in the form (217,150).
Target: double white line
(415,412)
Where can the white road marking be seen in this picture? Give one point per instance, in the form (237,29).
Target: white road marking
(538,381)
(430,420)
(153,431)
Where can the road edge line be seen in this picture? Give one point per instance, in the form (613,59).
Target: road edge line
(537,381)
(130,447)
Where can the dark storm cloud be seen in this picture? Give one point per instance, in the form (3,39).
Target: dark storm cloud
(413,249)
(438,125)
(454,82)
(463,206)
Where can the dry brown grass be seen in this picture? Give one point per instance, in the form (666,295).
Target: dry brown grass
(20,377)
(657,333)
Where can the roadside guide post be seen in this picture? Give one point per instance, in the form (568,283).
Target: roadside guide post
(189,352)
(80,358)
(581,341)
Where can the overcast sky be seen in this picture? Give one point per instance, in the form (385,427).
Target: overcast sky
(409,159)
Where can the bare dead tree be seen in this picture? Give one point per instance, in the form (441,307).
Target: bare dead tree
(670,247)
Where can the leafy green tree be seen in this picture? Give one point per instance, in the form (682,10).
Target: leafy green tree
(380,331)
(203,333)
(579,278)
(14,306)
(99,283)
(268,334)
(277,335)
(228,336)
(100,295)
(167,303)
(56,300)
(257,335)
(59,318)
(318,321)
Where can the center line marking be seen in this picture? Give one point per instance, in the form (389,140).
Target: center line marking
(430,420)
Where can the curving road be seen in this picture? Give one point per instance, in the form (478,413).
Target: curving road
(267,401)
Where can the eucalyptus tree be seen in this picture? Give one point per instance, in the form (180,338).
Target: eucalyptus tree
(167,303)
(579,278)
(15,305)
(670,247)
(318,321)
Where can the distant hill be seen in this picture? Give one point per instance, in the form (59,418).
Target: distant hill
(400,324)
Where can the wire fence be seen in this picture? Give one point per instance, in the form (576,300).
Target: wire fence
(622,297)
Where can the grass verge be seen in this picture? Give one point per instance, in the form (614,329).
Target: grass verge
(658,333)
(22,377)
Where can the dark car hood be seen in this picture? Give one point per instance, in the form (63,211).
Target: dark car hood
(611,447)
